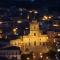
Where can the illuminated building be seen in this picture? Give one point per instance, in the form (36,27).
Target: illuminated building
(34,38)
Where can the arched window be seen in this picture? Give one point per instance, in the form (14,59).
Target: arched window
(34,34)
(34,43)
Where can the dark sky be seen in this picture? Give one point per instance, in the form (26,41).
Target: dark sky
(31,3)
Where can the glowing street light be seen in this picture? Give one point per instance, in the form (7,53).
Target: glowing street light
(58,50)
(50,17)
(55,25)
(15,31)
(54,40)
(47,57)
(46,17)
(59,34)
(26,28)
(28,58)
(0,31)
(41,55)
(35,12)
(28,17)
(1,22)
(30,11)
(20,9)
(19,21)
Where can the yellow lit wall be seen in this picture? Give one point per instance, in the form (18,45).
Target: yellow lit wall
(35,35)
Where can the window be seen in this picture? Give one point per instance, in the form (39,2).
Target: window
(34,27)
(43,44)
(34,34)
(40,43)
(34,43)
(29,44)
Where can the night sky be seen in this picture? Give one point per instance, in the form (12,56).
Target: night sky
(30,3)
(51,5)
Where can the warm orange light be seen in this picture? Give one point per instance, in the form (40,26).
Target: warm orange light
(15,29)
(50,17)
(34,36)
(47,17)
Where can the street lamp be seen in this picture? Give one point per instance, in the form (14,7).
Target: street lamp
(19,21)
(30,11)
(46,17)
(56,25)
(20,9)
(1,22)
(35,12)
(54,40)
(15,31)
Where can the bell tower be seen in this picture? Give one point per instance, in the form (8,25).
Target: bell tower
(34,28)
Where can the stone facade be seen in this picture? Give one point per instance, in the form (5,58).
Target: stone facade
(34,38)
